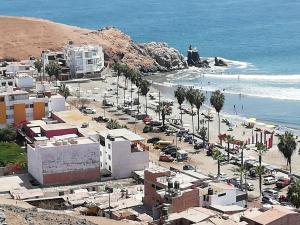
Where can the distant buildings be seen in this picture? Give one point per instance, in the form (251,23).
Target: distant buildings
(122,152)
(64,160)
(84,60)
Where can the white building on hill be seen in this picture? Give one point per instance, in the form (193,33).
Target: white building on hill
(84,60)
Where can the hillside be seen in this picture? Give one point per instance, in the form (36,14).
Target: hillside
(22,37)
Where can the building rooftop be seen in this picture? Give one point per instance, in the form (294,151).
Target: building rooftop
(122,133)
(56,126)
(60,141)
(276,212)
(74,117)
(16,92)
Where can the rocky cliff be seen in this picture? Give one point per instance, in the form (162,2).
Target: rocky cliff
(23,37)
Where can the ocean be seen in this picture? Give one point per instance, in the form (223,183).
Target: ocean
(260,40)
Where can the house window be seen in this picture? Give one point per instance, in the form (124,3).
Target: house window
(109,157)
(61,193)
(109,168)
(31,105)
(90,61)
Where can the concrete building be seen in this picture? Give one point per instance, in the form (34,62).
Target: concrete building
(174,190)
(276,215)
(17,107)
(64,160)
(25,66)
(24,81)
(84,60)
(122,152)
(218,195)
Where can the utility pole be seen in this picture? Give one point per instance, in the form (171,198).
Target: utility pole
(159,105)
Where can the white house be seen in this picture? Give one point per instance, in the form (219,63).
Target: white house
(24,81)
(221,194)
(86,59)
(64,160)
(25,66)
(122,152)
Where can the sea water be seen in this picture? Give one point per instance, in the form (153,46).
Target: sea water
(259,39)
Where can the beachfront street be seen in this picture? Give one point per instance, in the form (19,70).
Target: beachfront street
(98,90)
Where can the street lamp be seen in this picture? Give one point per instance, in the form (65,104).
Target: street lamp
(109,190)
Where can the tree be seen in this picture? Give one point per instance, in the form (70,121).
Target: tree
(180,93)
(190,97)
(217,155)
(38,64)
(260,149)
(53,69)
(293,194)
(165,109)
(202,134)
(217,100)
(287,145)
(138,83)
(145,88)
(117,67)
(199,100)
(260,170)
(228,139)
(8,134)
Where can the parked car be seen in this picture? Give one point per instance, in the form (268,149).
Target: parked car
(198,146)
(147,119)
(270,192)
(188,167)
(269,180)
(188,138)
(248,186)
(155,123)
(282,182)
(153,140)
(222,176)
(168,146)
(166,158)
(169,151)
(106,102)
(89,111)
(269,200)
(161,144)
(209,152)
(234,181)
(147,129)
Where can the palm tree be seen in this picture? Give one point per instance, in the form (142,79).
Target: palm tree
(38,64)
(287,145)
(229,139)
(180,93)
(217,155)
(199,100)
(190,97)
(53,69)
(202,134)
(260,149)
(145,88)
(138,83)
(126,70)
(117,67)
(260,170)
(217,100)
(293,194)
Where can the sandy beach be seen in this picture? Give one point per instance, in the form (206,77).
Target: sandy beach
(96,91)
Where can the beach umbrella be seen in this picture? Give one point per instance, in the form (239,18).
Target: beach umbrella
(251,120)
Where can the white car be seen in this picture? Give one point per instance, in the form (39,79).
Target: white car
(270,192)
(269,180)
(89,111)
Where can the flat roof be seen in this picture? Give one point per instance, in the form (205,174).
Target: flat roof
(74,117)
(57,126)
(194,214)
(53,142)
(16,92)
(125,133)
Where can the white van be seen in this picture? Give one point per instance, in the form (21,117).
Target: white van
(269,180)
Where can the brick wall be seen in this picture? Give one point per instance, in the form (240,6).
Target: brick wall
(72,177)
(186,200)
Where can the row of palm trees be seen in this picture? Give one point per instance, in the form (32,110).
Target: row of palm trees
(52,69)
(135,77)
(196,99)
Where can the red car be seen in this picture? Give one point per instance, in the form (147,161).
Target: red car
(282,182)
(166,158)
(147,120)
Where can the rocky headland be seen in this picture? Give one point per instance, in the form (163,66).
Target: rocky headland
(23,37)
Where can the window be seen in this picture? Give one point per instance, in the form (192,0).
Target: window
(109,157)
(61,193)
(31,105)
(102,140)
(108,146)
(222,194)
(46,104)
(109,168)
(90,61)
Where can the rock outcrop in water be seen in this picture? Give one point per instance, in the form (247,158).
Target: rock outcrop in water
(25,37)
(193,59)
(220,62)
